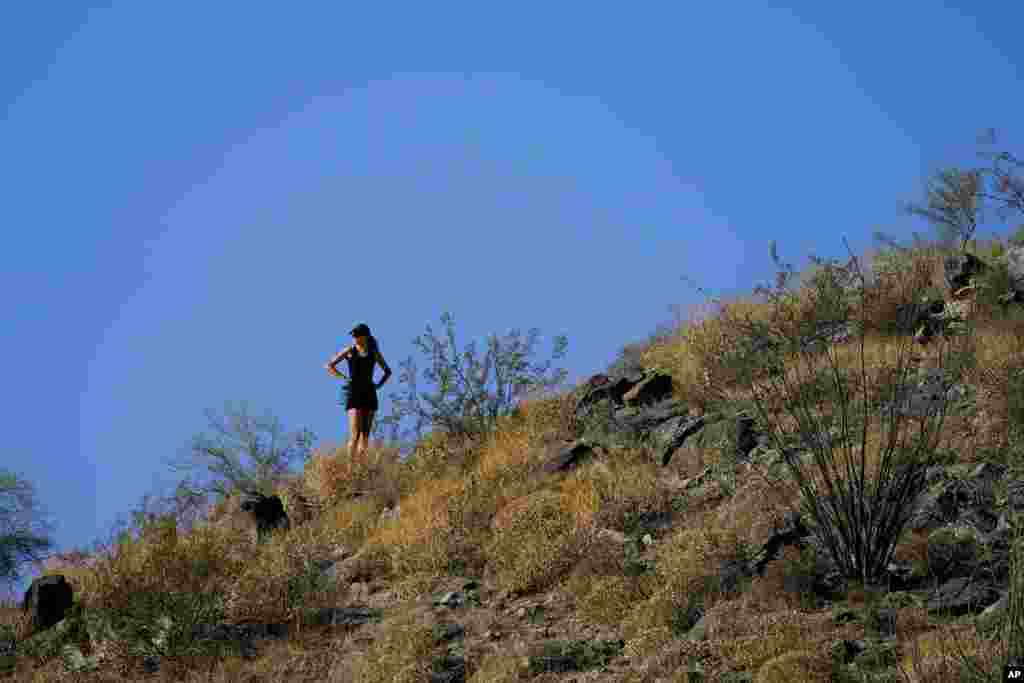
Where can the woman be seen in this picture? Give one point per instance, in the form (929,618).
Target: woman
(362,392)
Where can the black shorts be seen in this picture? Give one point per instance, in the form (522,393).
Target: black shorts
(363,398)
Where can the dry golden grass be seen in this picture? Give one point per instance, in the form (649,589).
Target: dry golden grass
(809,666)
(498,668)
(401,652)
(421,537)
(537,540)
(941,654)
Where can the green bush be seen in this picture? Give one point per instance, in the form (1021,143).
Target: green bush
(471,393)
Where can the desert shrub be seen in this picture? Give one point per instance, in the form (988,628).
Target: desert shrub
(857,513)
(244,452)
(281,579)
(161,623)
(993,283)
(155,559)
(472,394)
(24,531)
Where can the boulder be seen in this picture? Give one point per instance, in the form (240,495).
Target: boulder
(681,430)
(649,417)
(953,551)
(746,436)
(948,499)
(791,532)
(961,268)
(912,316)
(927,396)
(654,387)
(267,511)
(960,596)
(1014,258)
(47,600)
(600,387)
(570,457)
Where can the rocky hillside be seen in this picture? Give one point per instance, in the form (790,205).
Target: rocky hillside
(815,483)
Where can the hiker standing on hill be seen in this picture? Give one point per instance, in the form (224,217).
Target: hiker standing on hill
(361,403)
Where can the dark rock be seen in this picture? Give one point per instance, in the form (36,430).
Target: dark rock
(681,431)
(448,669)
(240,632)
(960,268)
(569,458)
(344,616)
(1014,258)
(791,532)
(942,504)
(151,664)
(961,595)
(612,390)
(746,436)
(650,417)
(901,576)
(654,387)
(268,511)
(47,600)
(1015,495)
(927,396)
(953,551)
(910,317)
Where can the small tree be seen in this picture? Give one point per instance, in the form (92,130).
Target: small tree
(952,205)
(471,393)
(24,532)
(858,514)
(260,442)
(958,201)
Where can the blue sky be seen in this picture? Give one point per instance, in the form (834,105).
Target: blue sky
(201,199)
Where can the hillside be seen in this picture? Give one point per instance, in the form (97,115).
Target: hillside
(638,527)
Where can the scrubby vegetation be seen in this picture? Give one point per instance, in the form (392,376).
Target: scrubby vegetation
(559,576)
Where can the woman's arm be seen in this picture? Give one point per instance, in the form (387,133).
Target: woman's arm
(338,357)
(384,365)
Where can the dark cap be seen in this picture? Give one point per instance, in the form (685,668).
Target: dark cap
(360,330)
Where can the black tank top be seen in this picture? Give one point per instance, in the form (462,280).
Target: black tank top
(360,369)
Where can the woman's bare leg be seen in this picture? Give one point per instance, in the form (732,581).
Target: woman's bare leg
(353,430)
(366,428)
